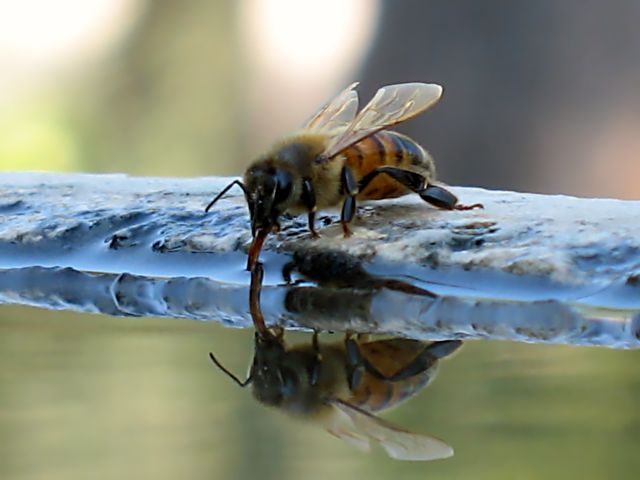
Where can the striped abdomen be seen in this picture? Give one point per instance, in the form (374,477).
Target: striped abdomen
(375,395)
(390,357)
(387,148)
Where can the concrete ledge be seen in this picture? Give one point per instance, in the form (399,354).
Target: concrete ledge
(579,254)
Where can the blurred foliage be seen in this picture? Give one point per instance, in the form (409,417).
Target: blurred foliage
(93,397)
(39,137)
(165,104)
(539,96)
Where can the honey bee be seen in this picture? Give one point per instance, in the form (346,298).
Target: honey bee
(339,156)
(342,385)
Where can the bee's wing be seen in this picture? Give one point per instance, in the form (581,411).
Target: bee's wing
(390,105)
(338,112)
(358,427)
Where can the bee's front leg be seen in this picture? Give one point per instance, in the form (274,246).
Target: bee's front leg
(309,200)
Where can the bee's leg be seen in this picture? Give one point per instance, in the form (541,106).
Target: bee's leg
(412,180)
(444,348)
(288,268)
(400,286)
(426,359)
(278,331)
(354,362)
(316,365)
(350,188)
(357,364)
(311,221)
(443,198)
(309,200)
(434,194)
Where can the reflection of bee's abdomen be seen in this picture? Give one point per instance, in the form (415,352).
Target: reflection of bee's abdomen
(375,395)
(387,148)
(390,357)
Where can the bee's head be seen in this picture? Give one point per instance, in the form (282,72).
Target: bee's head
(272,381)
(268,192)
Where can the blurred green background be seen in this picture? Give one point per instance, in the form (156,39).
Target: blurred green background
(86,396)
(539,96)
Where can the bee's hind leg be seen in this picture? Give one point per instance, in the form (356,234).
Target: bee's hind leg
(355,366)
(434,194)
(443,348)
(443,198)
(426,359)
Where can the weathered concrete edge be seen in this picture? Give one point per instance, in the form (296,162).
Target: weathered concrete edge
(573,241)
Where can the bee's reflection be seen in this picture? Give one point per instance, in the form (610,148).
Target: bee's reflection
(340,385)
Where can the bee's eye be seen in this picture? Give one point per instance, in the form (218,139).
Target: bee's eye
(284,184)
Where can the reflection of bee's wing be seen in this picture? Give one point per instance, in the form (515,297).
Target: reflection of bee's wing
(391,105)
(339,112)
(358,427)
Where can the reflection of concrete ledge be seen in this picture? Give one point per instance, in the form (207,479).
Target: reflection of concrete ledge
(575,258)
(377,310)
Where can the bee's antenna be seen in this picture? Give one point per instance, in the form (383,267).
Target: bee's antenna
(228,373)
(225,190)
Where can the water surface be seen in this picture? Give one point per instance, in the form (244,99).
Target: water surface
(91,396)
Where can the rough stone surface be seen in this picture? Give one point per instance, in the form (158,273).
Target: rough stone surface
(582,255)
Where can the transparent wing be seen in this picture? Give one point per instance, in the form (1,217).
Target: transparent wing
(390,105)
(358,428)
(339,112)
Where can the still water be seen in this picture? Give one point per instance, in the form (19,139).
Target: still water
(91,396)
